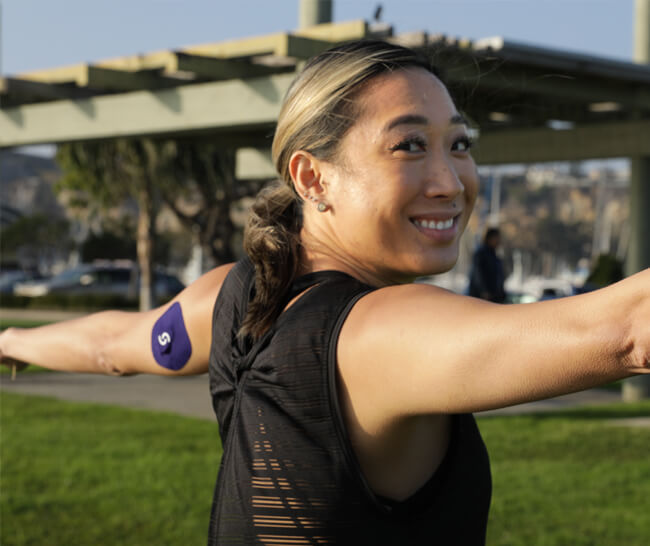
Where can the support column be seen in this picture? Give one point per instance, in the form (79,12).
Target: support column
(638,256)
(314,12)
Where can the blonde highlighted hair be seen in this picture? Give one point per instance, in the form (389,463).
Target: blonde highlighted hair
(319,108)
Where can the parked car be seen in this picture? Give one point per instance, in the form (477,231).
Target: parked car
(9,279)
(100,280)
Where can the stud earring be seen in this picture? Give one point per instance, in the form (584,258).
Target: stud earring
(322,207)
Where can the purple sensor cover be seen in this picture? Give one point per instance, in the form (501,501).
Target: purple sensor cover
(170,343)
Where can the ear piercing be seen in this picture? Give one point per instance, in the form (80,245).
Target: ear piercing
(321,207)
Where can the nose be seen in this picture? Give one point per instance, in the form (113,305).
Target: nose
(442,180)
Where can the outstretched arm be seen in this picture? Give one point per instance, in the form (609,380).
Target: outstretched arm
(444,353)
(118,342)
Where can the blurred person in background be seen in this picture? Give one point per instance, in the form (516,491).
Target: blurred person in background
(487,276)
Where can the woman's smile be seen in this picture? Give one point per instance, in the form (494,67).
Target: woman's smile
(437,228)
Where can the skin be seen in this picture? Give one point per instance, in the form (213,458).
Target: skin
(406,158)
(409,355)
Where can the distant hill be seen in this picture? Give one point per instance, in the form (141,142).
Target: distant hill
(26,186)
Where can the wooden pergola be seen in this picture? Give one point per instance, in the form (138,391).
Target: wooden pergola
(531,104)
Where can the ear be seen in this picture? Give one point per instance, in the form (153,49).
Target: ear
(306,174)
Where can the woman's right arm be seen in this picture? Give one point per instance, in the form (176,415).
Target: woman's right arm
(118,342)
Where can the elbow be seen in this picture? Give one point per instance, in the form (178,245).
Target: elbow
(640,359)
(106,364)
(635,357)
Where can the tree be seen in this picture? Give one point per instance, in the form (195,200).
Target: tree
(197,181)
(109,172)
(194,177)
(34,240)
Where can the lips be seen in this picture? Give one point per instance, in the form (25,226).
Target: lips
(442,228)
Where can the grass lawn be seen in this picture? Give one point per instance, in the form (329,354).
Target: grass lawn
(570,478)
(83,474)
(21,323)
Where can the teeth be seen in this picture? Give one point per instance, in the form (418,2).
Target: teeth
(432,224)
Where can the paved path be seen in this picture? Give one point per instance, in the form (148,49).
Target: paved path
(190,395)
(49,315)
(184,395)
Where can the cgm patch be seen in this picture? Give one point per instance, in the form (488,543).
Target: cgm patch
(170,343)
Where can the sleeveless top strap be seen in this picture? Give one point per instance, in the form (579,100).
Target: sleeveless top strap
(300,284)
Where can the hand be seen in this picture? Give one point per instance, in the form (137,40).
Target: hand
(16,365)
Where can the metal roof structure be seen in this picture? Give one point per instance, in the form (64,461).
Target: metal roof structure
(530,103)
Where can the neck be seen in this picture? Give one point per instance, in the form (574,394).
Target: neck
(318,256)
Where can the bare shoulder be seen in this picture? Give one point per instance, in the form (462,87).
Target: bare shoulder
(387,320)
(390,337)
(198,299)
(386,310)
(208,285)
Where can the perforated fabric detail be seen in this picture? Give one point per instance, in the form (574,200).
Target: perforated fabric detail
(288,475)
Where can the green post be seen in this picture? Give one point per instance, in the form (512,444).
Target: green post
(314,12)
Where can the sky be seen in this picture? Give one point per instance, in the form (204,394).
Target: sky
(37,34)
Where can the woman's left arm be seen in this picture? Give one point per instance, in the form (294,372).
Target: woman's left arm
(418,349)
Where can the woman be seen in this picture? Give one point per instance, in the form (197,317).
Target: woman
(343,391)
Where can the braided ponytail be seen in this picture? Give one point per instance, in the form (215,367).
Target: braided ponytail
(272,242)
(318,110)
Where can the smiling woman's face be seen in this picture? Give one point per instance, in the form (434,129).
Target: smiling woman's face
(404,183)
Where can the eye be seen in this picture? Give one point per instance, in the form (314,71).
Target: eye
(410,145)
(462,144)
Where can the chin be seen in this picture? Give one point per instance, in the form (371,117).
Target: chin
(439,270)
(441,262)
(424,270)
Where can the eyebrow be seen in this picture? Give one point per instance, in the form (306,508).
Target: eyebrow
(414,119)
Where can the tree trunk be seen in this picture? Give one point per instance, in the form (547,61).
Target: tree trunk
(145,247)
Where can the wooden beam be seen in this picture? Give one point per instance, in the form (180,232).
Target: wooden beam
(336,32)
(300,47)
(110,79)
(214,68)
(594,141)
(281,45)
(60,74)
(504,78)
(214,107)
(118,76)
(38,91)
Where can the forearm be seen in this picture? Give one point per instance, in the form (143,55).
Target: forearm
(552,348)
(78,345)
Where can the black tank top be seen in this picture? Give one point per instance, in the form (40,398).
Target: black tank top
(289,475)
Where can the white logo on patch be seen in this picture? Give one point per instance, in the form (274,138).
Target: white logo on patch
(164,338)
